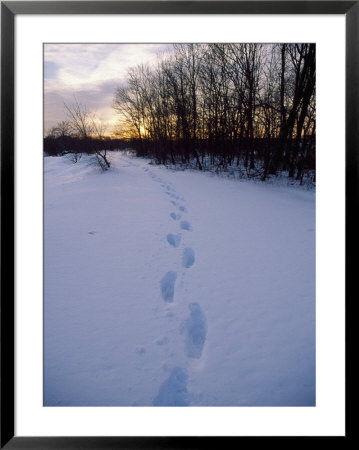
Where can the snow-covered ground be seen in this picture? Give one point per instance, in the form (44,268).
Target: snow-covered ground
(167,288)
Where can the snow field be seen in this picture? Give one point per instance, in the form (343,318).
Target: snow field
(171,288)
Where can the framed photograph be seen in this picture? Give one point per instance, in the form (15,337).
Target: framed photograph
(177,180)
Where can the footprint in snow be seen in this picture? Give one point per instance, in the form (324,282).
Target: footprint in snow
(93,232)
(174,239)
(182,208)
(168,286)
(173,391)
(175,216)
(185,225)
(188,257)
(195,329)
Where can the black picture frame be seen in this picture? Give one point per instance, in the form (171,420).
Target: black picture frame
(9,9)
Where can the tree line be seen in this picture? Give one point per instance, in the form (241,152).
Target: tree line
(82,132)
(248,107)
(219,105)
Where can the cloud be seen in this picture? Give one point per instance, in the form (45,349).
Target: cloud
(91,72)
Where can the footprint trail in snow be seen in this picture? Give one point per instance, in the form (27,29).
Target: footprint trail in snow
(173,391)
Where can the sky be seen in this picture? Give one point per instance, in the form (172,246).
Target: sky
(89,73)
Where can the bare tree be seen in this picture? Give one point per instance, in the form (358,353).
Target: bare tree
(100,151)
(61,129)
(220,104)
(89,130)
(80,119)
